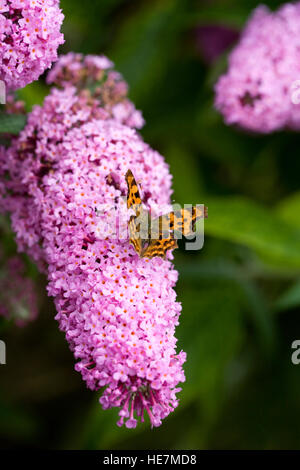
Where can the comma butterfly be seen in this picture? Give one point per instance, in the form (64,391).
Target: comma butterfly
(154,237)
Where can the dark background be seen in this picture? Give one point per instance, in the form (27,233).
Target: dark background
(240,294)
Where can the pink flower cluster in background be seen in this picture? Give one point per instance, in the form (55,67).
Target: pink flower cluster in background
(255,93)
(29,39)
(65,174)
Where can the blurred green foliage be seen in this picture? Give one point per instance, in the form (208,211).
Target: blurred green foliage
(240,294)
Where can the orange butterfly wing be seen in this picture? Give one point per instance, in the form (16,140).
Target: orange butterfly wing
(182,221)
(159,247)
(133,194)
(138,223)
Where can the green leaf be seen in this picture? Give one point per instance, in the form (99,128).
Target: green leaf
(211,332)
(12,123)
(289,210)
(33,94)
(249,293)
(243,221)
(290,298)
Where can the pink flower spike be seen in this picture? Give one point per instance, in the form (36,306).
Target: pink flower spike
(256,93)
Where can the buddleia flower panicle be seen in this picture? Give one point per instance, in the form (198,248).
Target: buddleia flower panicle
(65,178)
(255,93)
(29,38)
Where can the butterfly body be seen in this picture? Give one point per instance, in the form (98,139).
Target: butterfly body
(152,237)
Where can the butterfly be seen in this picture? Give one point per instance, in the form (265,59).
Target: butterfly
(152,237)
